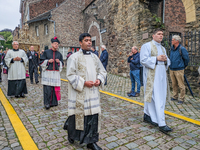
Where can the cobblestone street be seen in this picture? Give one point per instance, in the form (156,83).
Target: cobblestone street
(122,126)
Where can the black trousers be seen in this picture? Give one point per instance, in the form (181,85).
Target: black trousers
(35,71)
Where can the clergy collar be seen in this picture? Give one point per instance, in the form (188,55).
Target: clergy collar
(156,43)
(85,52)
(15,49)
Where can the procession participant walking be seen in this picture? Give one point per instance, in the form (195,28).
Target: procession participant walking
(86,75)
(33,64)
(51,62)
(16,60)
(155,62)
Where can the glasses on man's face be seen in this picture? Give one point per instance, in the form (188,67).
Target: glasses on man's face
(15,44)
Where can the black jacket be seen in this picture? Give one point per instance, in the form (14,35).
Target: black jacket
(34,62)
(50,54)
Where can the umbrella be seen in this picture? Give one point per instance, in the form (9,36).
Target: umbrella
(188,85)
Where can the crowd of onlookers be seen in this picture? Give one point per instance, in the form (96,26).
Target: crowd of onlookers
(179,59)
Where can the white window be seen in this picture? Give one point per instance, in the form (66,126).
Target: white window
(46,29)
(37,31)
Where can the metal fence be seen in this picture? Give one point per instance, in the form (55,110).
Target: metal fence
(191,41)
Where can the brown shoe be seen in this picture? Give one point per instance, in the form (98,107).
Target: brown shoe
(137,94)
(129,92)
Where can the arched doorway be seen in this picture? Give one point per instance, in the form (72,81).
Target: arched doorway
(94,31)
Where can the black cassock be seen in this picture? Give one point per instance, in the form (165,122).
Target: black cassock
(33,63)
(89,134)
(49,91)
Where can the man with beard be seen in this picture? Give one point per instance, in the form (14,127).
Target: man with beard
(16,60)
(156,88)
(51,62)
(86,75)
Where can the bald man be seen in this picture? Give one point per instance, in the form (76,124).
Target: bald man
(33,63)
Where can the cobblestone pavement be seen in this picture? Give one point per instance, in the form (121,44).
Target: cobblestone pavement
(122,126)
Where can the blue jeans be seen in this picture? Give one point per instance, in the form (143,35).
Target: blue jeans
(135,76)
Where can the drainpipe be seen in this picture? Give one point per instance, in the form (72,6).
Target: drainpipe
(163,11)
(54,26)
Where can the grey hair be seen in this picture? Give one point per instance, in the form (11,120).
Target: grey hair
(103,46)
(135,47)
(177,38)
(15,42)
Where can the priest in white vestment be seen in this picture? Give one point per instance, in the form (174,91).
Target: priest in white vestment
(16,60)
(86,75)
(154,59)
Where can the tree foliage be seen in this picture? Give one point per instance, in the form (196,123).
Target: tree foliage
(8,37)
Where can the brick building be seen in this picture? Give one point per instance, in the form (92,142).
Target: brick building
(117,24)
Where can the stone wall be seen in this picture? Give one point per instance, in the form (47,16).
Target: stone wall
(42,6)
(175,17)
(94,26)
(69,22)
(45,40)
(130,24)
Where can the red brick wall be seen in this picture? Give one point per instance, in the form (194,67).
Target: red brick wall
(42,6)
(175,17)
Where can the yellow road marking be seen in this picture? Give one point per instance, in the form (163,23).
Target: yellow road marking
(142,104)
(23,135)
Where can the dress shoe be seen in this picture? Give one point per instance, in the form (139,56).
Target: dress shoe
(129,92)
(147,119)
(22,95)
(180,102)
(93,146)
(37,82)
(47,106)
(173,99)
(31,82)
(70,140)
(17,96)
(165,129)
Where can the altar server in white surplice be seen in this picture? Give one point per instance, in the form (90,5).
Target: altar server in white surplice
(16,60)
(86,75)
(156,90)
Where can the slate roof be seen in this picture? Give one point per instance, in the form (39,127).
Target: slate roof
(43,16)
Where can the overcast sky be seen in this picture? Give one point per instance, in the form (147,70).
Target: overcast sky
(9,14)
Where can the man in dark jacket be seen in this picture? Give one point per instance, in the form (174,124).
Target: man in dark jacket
(33,64)
(134,60)
(104,58)
(93,50)
(179,60)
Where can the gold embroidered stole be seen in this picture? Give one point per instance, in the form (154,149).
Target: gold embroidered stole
(79,112)
(151,76)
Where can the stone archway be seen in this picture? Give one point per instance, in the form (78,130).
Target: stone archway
(95,26)
(190,10)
